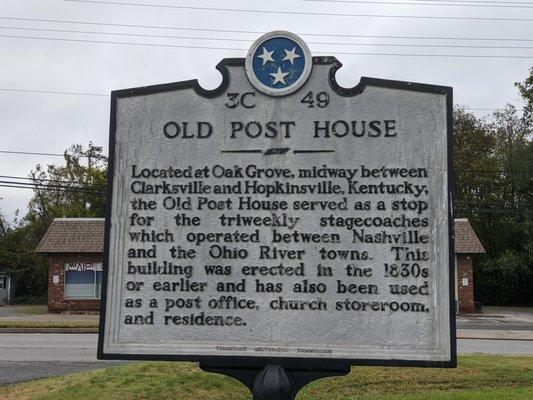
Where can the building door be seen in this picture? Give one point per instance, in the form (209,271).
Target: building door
(4,290)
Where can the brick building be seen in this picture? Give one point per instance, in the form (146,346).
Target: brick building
(74,247)
(467,245)
(75,251)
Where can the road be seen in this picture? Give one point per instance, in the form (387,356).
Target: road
(499,347)
(25,356)
(496,322)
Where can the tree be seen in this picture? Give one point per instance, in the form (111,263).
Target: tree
(26,267)
(3,225)
(475,163)
(74,189)
(506,279)
(526,91)
(494,189)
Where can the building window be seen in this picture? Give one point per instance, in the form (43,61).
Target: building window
(83,280)
(3,282)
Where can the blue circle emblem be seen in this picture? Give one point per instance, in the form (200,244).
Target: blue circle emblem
(278,63)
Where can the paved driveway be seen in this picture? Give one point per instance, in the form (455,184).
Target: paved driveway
(498,318)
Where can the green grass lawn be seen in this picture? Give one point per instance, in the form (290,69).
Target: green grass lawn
(477,377)
(32,310)
(48,324)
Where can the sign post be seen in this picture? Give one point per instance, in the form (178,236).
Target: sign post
(280,228)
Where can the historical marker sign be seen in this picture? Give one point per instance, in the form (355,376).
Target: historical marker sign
(280,217)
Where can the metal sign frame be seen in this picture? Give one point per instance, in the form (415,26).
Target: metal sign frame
(246,368)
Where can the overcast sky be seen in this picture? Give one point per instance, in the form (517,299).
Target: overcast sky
(46,122)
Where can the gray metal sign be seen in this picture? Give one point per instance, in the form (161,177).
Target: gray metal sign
(280,218)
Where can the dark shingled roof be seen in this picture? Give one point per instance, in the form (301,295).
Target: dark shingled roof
(73,235)
(86,235)
(466,240)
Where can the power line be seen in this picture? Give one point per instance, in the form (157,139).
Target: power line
(250,40)
(124,43)
(480,1)
(29,152)
(139,34)
(307,13)
(482,203)
(488,219)
(53,92)
(34,179)
(53,189)
(55,184)
(454,1)
(64,189)
(492,211)
(259,32)
(500,56)
(49,180)
(499,171)
(48,185)
(481,4)
(38,153)
(106,95)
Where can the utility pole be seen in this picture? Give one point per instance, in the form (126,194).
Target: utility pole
(89,154)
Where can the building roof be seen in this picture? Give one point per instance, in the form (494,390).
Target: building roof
(86,235)
(466,240)
(73,235)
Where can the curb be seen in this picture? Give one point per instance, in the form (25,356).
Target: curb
(460,335)
(483,315)
(520,335)
(493,338)
(48,330)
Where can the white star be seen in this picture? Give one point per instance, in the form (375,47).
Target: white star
(266,56)
(290,55)
(279,76)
